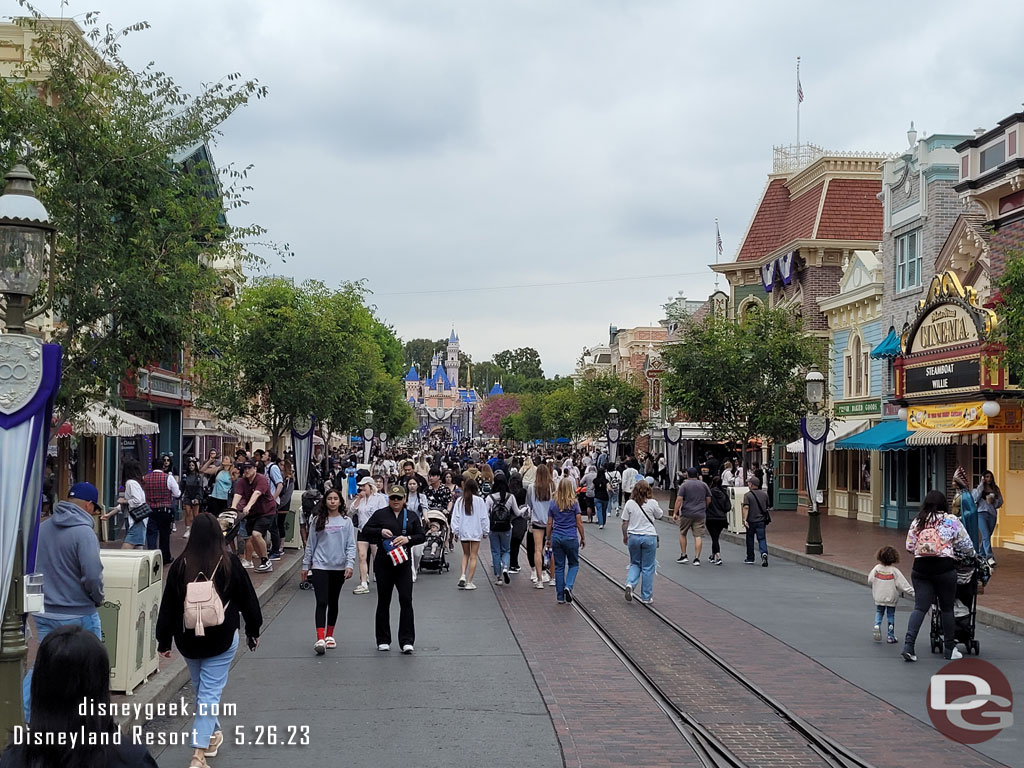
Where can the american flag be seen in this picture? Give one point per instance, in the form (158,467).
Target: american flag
(799,88)
(718,238)
(398,555)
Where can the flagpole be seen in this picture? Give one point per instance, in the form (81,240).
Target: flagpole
(798,107)
(717,238)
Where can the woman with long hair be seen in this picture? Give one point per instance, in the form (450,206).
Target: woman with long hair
(416,502)
(223,481)
(131,499)
(937,540)
(331,555)
(208,655)
(565,531)
(538,500)
(521,524)
(191,493)
(641,537)
(470,525)
(486,480)
(72,667)
(718,516)
(989,499)
(364,505)
(502,509)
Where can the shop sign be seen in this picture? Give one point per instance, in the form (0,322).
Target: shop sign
(863,408)
(949,317)
(943,377)
(948,325)
(964,417)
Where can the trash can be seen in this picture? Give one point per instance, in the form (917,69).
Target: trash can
(132,586)
(292,536)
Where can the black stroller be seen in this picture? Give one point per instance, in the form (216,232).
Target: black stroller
(435,550)
(969,575)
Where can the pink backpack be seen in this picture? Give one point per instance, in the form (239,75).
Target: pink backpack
(203,606)
(929,542)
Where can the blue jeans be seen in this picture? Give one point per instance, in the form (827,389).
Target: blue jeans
(643,551)
(566,550)
(501,545)
(986,524)
(881,611)
(209,676)
(756,529)
(44,626)
(602,510)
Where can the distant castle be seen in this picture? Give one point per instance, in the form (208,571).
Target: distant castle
(439,401)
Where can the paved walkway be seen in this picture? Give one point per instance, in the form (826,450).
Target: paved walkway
(850,547)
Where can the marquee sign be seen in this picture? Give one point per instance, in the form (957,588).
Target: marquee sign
(949,317)
(943,377)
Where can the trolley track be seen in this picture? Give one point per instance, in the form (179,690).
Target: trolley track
(728,720)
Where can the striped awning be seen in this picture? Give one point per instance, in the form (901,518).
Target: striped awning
(100,419)
(243,432)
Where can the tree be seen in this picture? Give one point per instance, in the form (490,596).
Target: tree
(523,361)
(560,409)
(486,375)
(136,224)
(419,352)
(742,380)
(596,396)
(494,410)
(1008,335)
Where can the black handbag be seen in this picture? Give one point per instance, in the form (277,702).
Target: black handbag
(140,513)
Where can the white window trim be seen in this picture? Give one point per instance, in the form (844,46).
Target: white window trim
(919,259)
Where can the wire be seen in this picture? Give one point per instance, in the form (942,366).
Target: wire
(549,284)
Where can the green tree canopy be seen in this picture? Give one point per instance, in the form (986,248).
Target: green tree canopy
(742,380)
(1008,335)
(139,212)
(597,395)
(522,361)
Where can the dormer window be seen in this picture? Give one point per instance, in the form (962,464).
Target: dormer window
(993,156)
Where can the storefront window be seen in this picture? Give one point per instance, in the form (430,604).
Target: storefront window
(787,472)
(914,469)
(864,470)
(842,461)
(979,462)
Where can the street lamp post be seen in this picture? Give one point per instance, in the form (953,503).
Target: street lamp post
(29,379)
(367,435)
(613,435)
(814,429)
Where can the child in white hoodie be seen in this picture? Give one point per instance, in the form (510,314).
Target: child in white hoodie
(886,585)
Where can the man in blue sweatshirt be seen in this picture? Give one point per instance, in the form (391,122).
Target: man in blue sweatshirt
(69,559)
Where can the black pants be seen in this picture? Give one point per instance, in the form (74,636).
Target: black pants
(390,577)
(928,587)
(282,518)
(158,531)
(519,532)
(327,588)
(715,528)
(276,534)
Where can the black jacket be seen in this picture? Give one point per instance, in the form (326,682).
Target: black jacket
(236,592)
(127,755)
(720,505)
(385,518)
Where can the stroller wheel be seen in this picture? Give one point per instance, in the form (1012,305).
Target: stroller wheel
(936,648)
(976,647)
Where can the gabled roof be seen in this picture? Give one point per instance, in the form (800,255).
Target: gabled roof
(469,396)
(412,375)
(852,211)
(496,390)
(440,376)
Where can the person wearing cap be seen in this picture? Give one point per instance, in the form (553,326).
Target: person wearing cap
(260,511)
(69,560)
(691,511)
(755,519)
(389,528)
(366,502)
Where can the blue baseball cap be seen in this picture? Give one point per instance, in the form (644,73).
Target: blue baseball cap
(85,492)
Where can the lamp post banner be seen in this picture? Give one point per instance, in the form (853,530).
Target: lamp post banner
(29,380)
(613,444)
(814,429)
(673,441)
(302,444)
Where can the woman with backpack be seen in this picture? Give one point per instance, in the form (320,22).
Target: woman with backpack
(717,516)
(205,590)
(521,524)
(331,555)
(640,535)
(937,539)
(470,525)
(502,509)
(192,483)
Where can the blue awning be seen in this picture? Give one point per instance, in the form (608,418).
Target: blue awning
(890,347)
(887,436)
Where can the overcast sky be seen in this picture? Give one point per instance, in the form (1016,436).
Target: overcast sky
(468,145)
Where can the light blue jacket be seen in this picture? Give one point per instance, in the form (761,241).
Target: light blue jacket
(333,548)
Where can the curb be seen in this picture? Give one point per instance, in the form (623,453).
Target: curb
(987,616)
(167,681)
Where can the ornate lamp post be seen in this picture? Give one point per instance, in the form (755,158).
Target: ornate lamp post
(29,379)
(814,429)
(613,435)
(367,435)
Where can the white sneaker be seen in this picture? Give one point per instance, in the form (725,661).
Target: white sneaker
(498,581)
(462,581)
(414,577)
(546,577)
(538,585)
(629,593)
(320,646)
(246,563)
(174,527)
(407,649)
(383,647)
(362,589)
(470,585)
(955,654)
(533,577)
(504,576)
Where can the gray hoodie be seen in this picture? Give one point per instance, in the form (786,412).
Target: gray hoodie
(69,559)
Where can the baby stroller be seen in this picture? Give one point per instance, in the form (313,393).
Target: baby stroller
(435,558)
(969,575)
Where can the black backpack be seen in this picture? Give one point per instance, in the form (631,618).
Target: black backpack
(501,515)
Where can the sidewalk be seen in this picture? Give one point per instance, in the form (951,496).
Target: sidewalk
(850,547)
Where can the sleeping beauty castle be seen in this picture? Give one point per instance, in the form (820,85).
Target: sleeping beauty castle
(442,407)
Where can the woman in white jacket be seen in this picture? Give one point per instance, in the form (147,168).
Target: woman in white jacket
(470,525)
